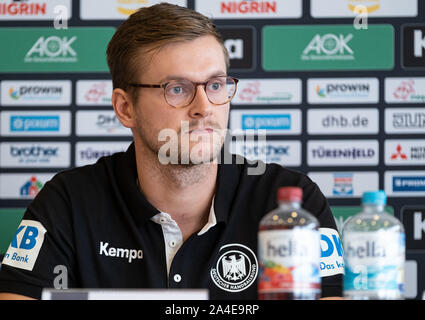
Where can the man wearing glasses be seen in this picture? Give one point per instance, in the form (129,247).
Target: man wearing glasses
(135,221)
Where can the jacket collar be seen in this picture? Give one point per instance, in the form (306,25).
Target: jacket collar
(125,172)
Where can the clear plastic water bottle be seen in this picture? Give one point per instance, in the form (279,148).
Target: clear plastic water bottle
(374,248)
(289,250)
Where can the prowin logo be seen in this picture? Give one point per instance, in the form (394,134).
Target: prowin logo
(129,254)
(338,90)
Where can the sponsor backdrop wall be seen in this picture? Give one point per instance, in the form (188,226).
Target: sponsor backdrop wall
(339,85)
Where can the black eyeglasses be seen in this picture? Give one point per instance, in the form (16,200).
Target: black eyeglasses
(180,93)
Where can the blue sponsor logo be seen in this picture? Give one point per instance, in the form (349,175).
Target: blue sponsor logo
(406,184)
(333,243)
(28,240)
(331,257)
(266,122)
(34,123)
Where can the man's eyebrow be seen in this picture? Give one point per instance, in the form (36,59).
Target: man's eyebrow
(179,77)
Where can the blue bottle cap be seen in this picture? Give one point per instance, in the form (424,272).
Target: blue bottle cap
(374,197)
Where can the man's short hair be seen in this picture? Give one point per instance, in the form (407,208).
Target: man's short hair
(151,28)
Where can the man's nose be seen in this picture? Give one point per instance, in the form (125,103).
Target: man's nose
(200,107)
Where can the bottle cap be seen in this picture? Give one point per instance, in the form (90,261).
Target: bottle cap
(290,194)
(374,197)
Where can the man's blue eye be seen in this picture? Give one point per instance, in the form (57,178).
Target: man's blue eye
(215,86)
(177,90)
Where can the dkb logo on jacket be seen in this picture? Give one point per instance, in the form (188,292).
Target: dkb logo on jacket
(25,246)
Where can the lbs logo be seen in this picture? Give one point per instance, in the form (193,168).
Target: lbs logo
(25,246)
(236,268)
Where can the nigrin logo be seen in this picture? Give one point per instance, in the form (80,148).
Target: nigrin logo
(248,6)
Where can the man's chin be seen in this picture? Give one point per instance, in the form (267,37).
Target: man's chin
(197,155)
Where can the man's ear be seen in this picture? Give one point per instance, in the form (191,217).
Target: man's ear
(124,108)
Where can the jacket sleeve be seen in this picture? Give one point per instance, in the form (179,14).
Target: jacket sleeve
(331,262)
(41,253)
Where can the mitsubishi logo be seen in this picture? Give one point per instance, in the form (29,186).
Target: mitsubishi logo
(395,156)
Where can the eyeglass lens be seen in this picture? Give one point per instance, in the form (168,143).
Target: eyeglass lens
(219,90)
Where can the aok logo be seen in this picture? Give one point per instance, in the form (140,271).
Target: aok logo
(52,49)
(25,246)
(324,46)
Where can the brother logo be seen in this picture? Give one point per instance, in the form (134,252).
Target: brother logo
(33,151)
(265,150)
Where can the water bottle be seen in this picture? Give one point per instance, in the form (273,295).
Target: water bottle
(374,248)
(289,250)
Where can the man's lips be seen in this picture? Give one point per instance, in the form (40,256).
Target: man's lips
(202,130)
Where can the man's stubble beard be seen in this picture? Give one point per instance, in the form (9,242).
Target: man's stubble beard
(184,172)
